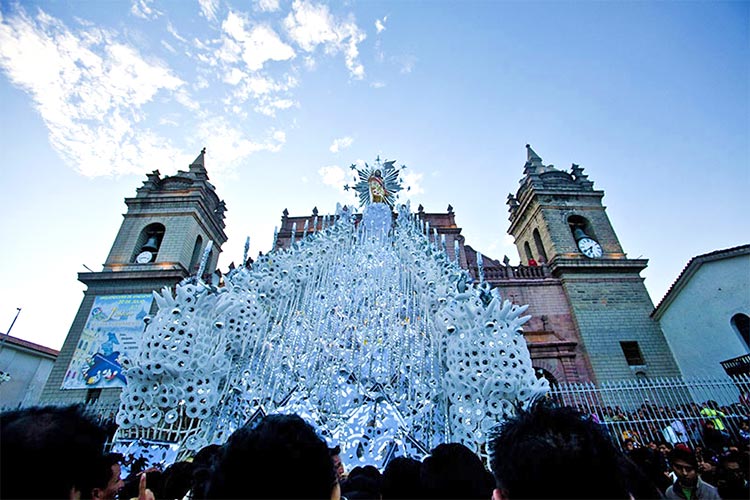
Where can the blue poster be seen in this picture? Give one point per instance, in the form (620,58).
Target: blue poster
(112,331)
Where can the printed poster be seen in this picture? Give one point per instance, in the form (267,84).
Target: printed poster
(112,332)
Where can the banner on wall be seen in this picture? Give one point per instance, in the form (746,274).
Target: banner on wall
(112,332)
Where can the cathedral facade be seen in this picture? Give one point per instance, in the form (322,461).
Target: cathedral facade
(589,306)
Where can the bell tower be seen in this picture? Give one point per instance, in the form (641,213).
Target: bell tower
(164,234)
(557,217)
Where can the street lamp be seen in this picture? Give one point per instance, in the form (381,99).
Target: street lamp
(7,334)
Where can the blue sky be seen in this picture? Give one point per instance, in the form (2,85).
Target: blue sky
(652,99)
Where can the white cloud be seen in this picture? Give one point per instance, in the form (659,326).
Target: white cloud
(143,9)
(412,182)
(380,24)
(267,5)
(332,175)
(209,8)
(406,63)
(377,85)
(166,45)
(254,45)
(311,25)
(172,31)
(269,107)
(168,121)
(341,143)
(200,83)
(234,76)
(182,97)
(270,95)
(90,90)
(230,146)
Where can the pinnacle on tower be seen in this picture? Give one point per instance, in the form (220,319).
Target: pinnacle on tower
(531,156)
(198,167)
(533,162)
(200,159)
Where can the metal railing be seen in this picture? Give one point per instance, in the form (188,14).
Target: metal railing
(498,273)
(671,410)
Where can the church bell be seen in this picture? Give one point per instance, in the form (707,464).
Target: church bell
(151,244)
(578,234)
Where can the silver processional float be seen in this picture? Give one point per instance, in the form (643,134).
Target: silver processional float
(369,331)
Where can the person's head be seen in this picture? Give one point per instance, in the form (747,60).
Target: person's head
(115,483)
(63,445)
(454,471)
(665,448)
(731,470)
(338,465)
(401,479)
(363,483)
(684,465)
(177,479)
(280,457)
(548,452)
(628,445)
(202,463)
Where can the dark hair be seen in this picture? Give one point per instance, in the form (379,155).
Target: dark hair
(202,463)
(258,462)
(177,479)
(683,454)
(64,442)
(401,479)
(549,452)
(454,471)
(363,483)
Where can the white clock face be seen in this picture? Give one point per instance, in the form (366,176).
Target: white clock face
(590,248)
(144,257)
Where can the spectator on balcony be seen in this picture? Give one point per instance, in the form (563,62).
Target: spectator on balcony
(532,262)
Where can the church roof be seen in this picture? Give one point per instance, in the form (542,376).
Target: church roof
(31,346)
(690,269)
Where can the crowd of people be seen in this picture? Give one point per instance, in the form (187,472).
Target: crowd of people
(679,423)
(547,451)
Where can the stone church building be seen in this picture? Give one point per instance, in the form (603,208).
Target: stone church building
(590,308)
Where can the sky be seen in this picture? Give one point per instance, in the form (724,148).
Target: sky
(652,99)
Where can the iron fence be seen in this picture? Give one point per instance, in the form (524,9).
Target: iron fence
(672,410)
